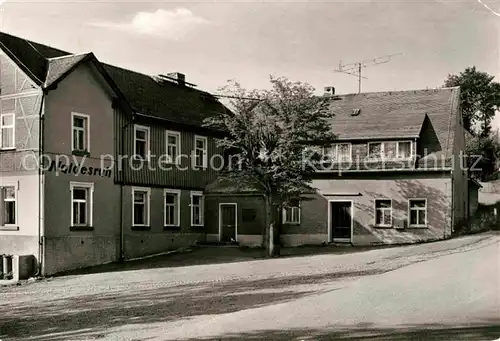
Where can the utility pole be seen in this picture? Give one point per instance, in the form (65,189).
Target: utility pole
(355,69)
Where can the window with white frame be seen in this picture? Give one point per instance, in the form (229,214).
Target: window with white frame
(140,206)
(404,150)
(383,212)
(390,150)
(141,142)
(81,128)
(8,203)
(200,151)
(338,152)
(417,212)
(173,146)
(172,207)
(291,213)
(7,131)
(196,208)
(81,203)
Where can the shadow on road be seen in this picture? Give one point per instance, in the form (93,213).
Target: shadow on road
(215,255)
(92,315)
(488,331)
(218,255)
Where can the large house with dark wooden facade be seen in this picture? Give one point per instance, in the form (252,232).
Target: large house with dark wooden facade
(124,157)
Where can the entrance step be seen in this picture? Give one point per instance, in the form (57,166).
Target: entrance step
(337,244)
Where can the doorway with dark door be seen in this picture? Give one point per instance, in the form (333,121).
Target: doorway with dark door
(228,222)
(340,221)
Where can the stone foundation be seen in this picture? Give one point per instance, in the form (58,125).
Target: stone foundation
(303,239)
(144,244)
(72,252)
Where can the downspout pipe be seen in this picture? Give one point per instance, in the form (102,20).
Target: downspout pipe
(122,251)
(41,184)
(452,215)
(122,184)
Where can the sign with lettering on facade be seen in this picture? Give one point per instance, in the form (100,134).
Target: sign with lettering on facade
(77,168)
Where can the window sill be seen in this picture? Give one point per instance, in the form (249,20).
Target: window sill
(8,149)
(81,228)
(417,227)
(197,226)
(291,223)
(336,161)
(171,228)
(141,227)
(80,153)
(9,228)
(389,160)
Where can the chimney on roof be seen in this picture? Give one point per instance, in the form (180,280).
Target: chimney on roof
(180,78)
(329,91)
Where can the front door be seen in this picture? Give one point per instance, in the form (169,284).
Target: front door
(227,221)
(341,220)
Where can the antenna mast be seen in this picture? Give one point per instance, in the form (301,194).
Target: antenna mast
(354,69)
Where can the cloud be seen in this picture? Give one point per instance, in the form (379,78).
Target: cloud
(174,24)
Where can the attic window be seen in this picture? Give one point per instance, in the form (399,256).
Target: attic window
(355,112)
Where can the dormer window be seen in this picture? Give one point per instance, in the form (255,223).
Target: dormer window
(390,150)
(338,152)
(404,150)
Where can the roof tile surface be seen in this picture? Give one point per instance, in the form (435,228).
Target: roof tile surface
(167,100)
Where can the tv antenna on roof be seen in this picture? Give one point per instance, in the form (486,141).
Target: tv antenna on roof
(354,69)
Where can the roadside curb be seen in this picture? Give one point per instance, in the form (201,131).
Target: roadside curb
(15,282)
(180,250)
(8,283)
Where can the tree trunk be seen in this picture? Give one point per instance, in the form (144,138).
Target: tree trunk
(271,234)
(270,244)
(278,229)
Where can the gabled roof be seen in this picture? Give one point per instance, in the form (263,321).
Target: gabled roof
(31,57)
(391,125)
(398,114)
(59,66)
(166,100)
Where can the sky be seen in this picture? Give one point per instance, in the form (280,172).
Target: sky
(212,42)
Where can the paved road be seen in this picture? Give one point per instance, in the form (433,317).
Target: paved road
(441,291)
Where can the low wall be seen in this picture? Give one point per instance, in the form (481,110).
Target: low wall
(72,252)
(303,239)
(144,244)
